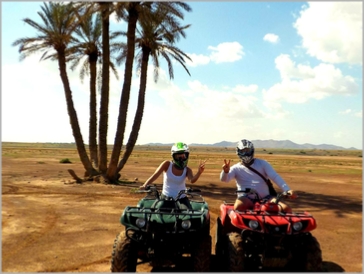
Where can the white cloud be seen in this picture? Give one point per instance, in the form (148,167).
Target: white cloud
(276,111)
(272,38)
(300,82)
(198,111)
(34,108)
(226,52)
(288,69)
(197,59)
(347,111)
(332,31)
(351,113)
(242,89)
(359,114)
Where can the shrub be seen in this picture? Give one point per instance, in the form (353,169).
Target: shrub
(65,161)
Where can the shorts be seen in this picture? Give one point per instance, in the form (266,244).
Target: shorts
(254,199)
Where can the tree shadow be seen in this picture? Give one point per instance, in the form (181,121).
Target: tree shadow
(340,205)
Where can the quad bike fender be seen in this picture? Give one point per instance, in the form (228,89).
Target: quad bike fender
(130,214)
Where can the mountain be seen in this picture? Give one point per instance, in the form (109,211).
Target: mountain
(284,144)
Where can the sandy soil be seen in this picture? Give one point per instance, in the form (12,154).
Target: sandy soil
(49,225)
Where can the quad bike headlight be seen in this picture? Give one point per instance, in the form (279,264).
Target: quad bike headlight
(253,224)
(140,222)
(186,224)
(297,226)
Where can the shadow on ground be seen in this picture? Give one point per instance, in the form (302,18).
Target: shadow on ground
(339,205)
(186,266)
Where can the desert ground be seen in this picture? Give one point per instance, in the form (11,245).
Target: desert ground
(51,224)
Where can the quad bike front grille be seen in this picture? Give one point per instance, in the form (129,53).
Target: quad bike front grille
(276,229)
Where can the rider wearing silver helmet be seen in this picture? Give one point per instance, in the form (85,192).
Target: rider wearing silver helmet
(176,172)
(245,177)
(245,151)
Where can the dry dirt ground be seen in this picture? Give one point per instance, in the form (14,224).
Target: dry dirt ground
(51,226)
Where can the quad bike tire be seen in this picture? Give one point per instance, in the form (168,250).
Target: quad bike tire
(313,256)
(220,246)
(235,253)
(202,255)
(308,256)
(124,256)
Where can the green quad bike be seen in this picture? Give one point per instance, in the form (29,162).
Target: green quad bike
(162,232)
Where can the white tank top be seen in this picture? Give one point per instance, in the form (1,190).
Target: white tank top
(172,184)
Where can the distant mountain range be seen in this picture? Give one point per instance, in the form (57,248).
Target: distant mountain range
(285,144)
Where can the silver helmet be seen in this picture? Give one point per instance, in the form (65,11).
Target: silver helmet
(245,151)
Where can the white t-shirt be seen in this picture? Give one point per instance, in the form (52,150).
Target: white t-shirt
(246,178)
(173,184)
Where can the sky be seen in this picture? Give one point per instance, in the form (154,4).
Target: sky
(259,70)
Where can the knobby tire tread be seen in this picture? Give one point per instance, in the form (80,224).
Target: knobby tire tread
(202,255)
(235,252)
(124,254)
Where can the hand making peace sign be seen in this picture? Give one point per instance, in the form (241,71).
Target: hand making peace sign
(201,167)
(226,166)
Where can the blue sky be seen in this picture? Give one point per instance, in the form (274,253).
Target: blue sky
(260,70)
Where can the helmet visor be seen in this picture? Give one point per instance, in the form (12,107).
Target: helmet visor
(180,156)
(180,159)
(245,151)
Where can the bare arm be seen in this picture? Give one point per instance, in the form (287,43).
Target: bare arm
(162,167)
(201,168)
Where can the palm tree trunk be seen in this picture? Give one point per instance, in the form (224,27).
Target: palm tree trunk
(93,112)
(139,111)
(125,94)
(73,116)
(104,101)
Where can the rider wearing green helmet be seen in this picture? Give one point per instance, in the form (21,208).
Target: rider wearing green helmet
(180,153)
(176,173)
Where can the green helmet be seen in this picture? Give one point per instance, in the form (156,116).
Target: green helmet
(180,153)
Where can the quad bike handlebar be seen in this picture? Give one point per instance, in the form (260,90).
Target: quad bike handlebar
(279,197)
(152,189)
(283,195)
(187,191)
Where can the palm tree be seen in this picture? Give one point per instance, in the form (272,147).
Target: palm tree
(55,34)
(105,9)
(89,32)
(134,11)
(155,38)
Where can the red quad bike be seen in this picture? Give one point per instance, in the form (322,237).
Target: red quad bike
(265,238)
